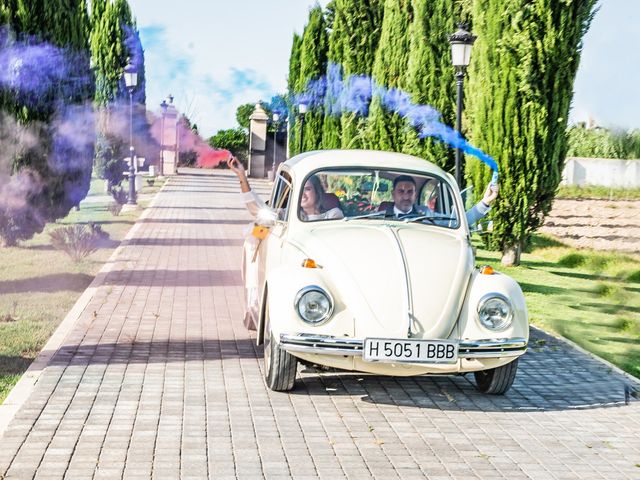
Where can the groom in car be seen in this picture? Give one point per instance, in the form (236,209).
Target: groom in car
(404,201)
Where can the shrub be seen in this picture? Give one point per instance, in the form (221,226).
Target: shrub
(119,195)
(634,277)
(151,181)
(572,260)
(597,263)
(115,208)
(629,325)
(77,241)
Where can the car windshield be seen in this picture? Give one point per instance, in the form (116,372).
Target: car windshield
(390,195)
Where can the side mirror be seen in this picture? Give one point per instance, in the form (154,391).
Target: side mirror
(266,217)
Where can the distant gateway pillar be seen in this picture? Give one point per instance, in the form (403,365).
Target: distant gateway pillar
(258,142)
(168,144)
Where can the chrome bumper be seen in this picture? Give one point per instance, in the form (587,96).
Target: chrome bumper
(328,345)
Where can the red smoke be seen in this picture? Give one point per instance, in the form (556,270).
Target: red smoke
(211,158)
(208,157)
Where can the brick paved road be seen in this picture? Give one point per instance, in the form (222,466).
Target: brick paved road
(158,379)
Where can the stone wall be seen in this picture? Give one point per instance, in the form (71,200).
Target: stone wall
(601,171)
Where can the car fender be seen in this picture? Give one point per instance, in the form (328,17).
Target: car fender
(282,287)
(469,325)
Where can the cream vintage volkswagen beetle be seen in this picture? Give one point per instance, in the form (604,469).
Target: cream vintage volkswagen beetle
(371,292)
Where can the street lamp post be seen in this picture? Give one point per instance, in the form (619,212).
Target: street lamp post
(302,109)
(131,81)
(164,105)
(276,118)
(461,42)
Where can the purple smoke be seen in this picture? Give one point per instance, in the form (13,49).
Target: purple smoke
(33,71)
(355,93)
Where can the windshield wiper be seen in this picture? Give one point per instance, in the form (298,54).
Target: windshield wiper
(380,213)
(431,218)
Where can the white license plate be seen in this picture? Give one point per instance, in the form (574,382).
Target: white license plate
(413,351)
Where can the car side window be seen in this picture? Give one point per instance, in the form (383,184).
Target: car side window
(281,195)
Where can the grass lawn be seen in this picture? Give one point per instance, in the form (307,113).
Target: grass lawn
(591,298)
(597,192)
(39,284)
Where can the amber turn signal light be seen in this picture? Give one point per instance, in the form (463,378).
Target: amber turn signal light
(309,263)
(486,270)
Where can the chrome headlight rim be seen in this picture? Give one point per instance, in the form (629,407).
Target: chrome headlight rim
(314,288)
(483,301)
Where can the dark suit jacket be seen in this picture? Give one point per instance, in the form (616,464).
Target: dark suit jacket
(389,211)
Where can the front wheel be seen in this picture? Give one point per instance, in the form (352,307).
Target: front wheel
(280,366)
(498,380)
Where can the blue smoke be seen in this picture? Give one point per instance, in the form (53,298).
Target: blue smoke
(354,95)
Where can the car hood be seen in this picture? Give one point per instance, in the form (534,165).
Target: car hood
(385,274)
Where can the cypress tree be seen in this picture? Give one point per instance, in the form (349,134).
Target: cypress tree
(97,10)
(109,55)
(331,127)
(292,81)
(523,68)
(430,76)
(57,169)
(115,40)
(386,130)
(313,65)
(362,28)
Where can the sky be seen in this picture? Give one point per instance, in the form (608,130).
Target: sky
(216,55)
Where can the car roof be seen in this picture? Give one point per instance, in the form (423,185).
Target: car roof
(306,162)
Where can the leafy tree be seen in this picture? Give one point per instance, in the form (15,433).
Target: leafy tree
(236,140)
(243,112)
(603,143)
(362,20)
(522,73)
(386,130)
(313,65)
(111,150)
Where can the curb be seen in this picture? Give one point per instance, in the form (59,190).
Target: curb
(23,388)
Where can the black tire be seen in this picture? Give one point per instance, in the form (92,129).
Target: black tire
(280,367)
(497,381)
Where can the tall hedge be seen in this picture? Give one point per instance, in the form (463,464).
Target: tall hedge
(331,125)
(362,27)
(430,75)
(386,130)
(522,72)
(313,65)
(292,82)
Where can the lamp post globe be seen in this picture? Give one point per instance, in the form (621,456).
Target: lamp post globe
(461,42)
(130,75)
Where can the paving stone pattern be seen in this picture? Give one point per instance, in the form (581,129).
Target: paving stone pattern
(159,379)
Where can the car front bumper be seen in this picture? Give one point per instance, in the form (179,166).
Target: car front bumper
(329,345)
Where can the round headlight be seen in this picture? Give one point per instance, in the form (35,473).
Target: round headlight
(495,311)
(314,305)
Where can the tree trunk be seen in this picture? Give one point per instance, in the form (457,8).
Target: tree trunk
(511,255)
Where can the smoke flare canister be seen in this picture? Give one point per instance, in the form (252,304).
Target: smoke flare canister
(494,179)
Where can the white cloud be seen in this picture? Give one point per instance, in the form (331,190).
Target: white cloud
(217,55)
